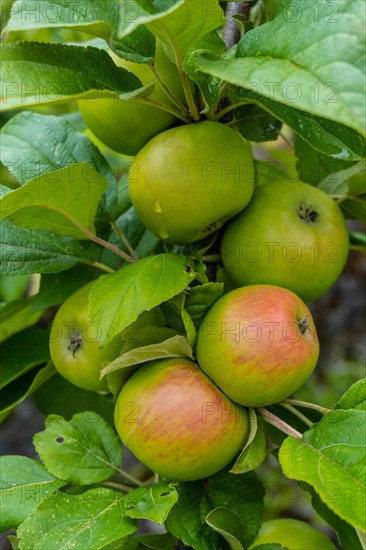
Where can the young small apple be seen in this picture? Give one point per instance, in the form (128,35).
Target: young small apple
(292,534)
(75,346)
(292,235)
(258,344)
(177,422)
(188,181)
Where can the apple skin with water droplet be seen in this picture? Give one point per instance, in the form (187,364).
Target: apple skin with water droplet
(291,235)
(292,534)
(177,422)
(189,180)
(258,344)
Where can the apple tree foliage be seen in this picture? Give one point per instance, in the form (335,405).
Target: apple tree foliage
(66,214)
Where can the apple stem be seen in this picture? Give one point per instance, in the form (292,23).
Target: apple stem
(124,240)
(163,107)
(187,88)
(298,414)
(171,96)
(279,424)
(306,405)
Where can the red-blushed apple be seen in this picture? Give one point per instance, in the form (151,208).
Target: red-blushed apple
(258,344)
(291,235)
(292,534)
(177,422)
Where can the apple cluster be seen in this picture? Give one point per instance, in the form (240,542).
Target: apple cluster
(282,246)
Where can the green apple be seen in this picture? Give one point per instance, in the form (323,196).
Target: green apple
(292,534)
(258,344)
(177,422)
(292,235)
(126,126)
(75,346)
(188,181)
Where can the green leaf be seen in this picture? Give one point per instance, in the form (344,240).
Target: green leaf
(200,299)
(117,300)
(152,503)
(242,495)
(57,396)
(255,124)
(16,316)
(315,66)
(98,17)
(84,450)
(35,73)
(178,27)
(355,397)
(187,519)
(176,346)
(314,166)
(139,46)
(33,144)
(90,520)
(349,187)
(64,201)
(17,391)
(210,87)
(24,483)
(347,535)
(332,455)
(25,251)
(226,524)
(155,542)
(22,352)
(254,452)
(323,135)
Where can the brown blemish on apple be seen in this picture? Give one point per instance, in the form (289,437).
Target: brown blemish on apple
(307,214)
(303,325)
(75,343)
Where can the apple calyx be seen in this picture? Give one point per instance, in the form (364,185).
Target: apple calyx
(303,325)
(307,214)
(75,343)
